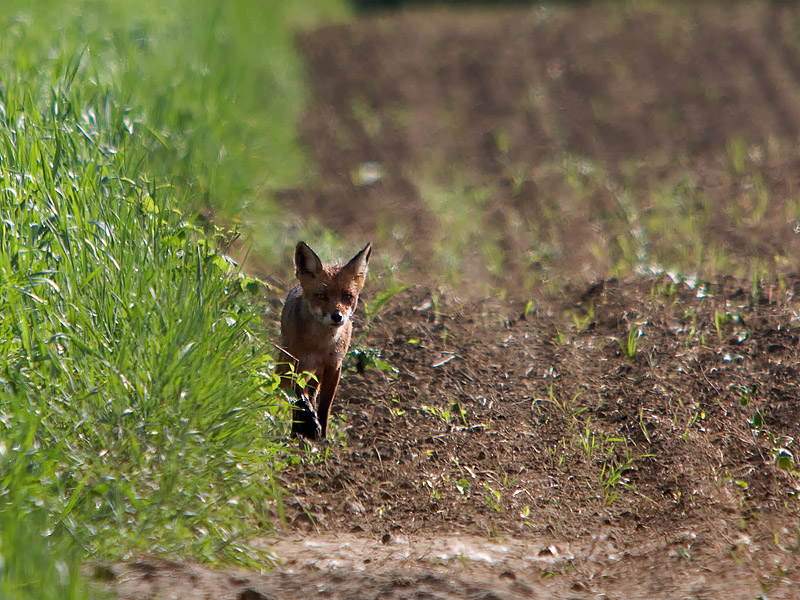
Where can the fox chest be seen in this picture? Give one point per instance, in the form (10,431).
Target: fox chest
(323,351)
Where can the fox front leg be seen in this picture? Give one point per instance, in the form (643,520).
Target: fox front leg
(305,421)
(327,390)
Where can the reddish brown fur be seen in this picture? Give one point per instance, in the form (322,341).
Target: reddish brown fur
(312,340)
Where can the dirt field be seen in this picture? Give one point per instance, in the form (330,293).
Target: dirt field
(624,438)
(637,105)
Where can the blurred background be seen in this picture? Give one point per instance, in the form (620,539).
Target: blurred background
(506,150)
(490,148)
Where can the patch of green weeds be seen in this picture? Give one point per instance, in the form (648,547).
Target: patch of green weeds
(558,453)
(373,308)
(360,358)
(591,443)
(455,412)
(737,153)
(443,414)
(459,246)
(781,454)
(664,289)
(612,474)
(567,405)
(142,358)
(684,416)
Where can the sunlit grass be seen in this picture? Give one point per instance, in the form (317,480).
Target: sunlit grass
(135,384)
(213,90)
(138,410)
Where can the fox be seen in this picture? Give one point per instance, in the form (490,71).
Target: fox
(316,327)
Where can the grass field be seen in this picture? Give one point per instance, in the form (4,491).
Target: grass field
(137,404)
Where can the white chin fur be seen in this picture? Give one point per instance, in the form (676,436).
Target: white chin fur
(325,318)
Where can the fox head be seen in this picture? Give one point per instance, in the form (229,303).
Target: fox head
(331,291)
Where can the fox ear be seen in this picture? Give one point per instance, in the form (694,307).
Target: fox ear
(360,262)
(306,262)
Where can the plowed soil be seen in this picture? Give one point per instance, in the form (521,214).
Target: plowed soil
(624,438)
(645,102)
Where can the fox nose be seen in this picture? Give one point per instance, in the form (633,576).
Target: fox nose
(336,317)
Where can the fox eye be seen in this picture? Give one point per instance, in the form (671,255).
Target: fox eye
(347,297)
(321,296)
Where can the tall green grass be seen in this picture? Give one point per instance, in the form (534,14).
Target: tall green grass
(137,403)
(213,89)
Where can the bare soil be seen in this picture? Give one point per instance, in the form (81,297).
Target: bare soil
(616,441)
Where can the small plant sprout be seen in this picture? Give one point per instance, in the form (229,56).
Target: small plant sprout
(492,497)
(557,454)
(360,358)
(737,151)
(530,307)
(592,444)
(583,321)
(456,408)
(784,459)
(525,513)
(629,344)
(431,487)
(643,424)
(746,392)
(588,441)
(720,320)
